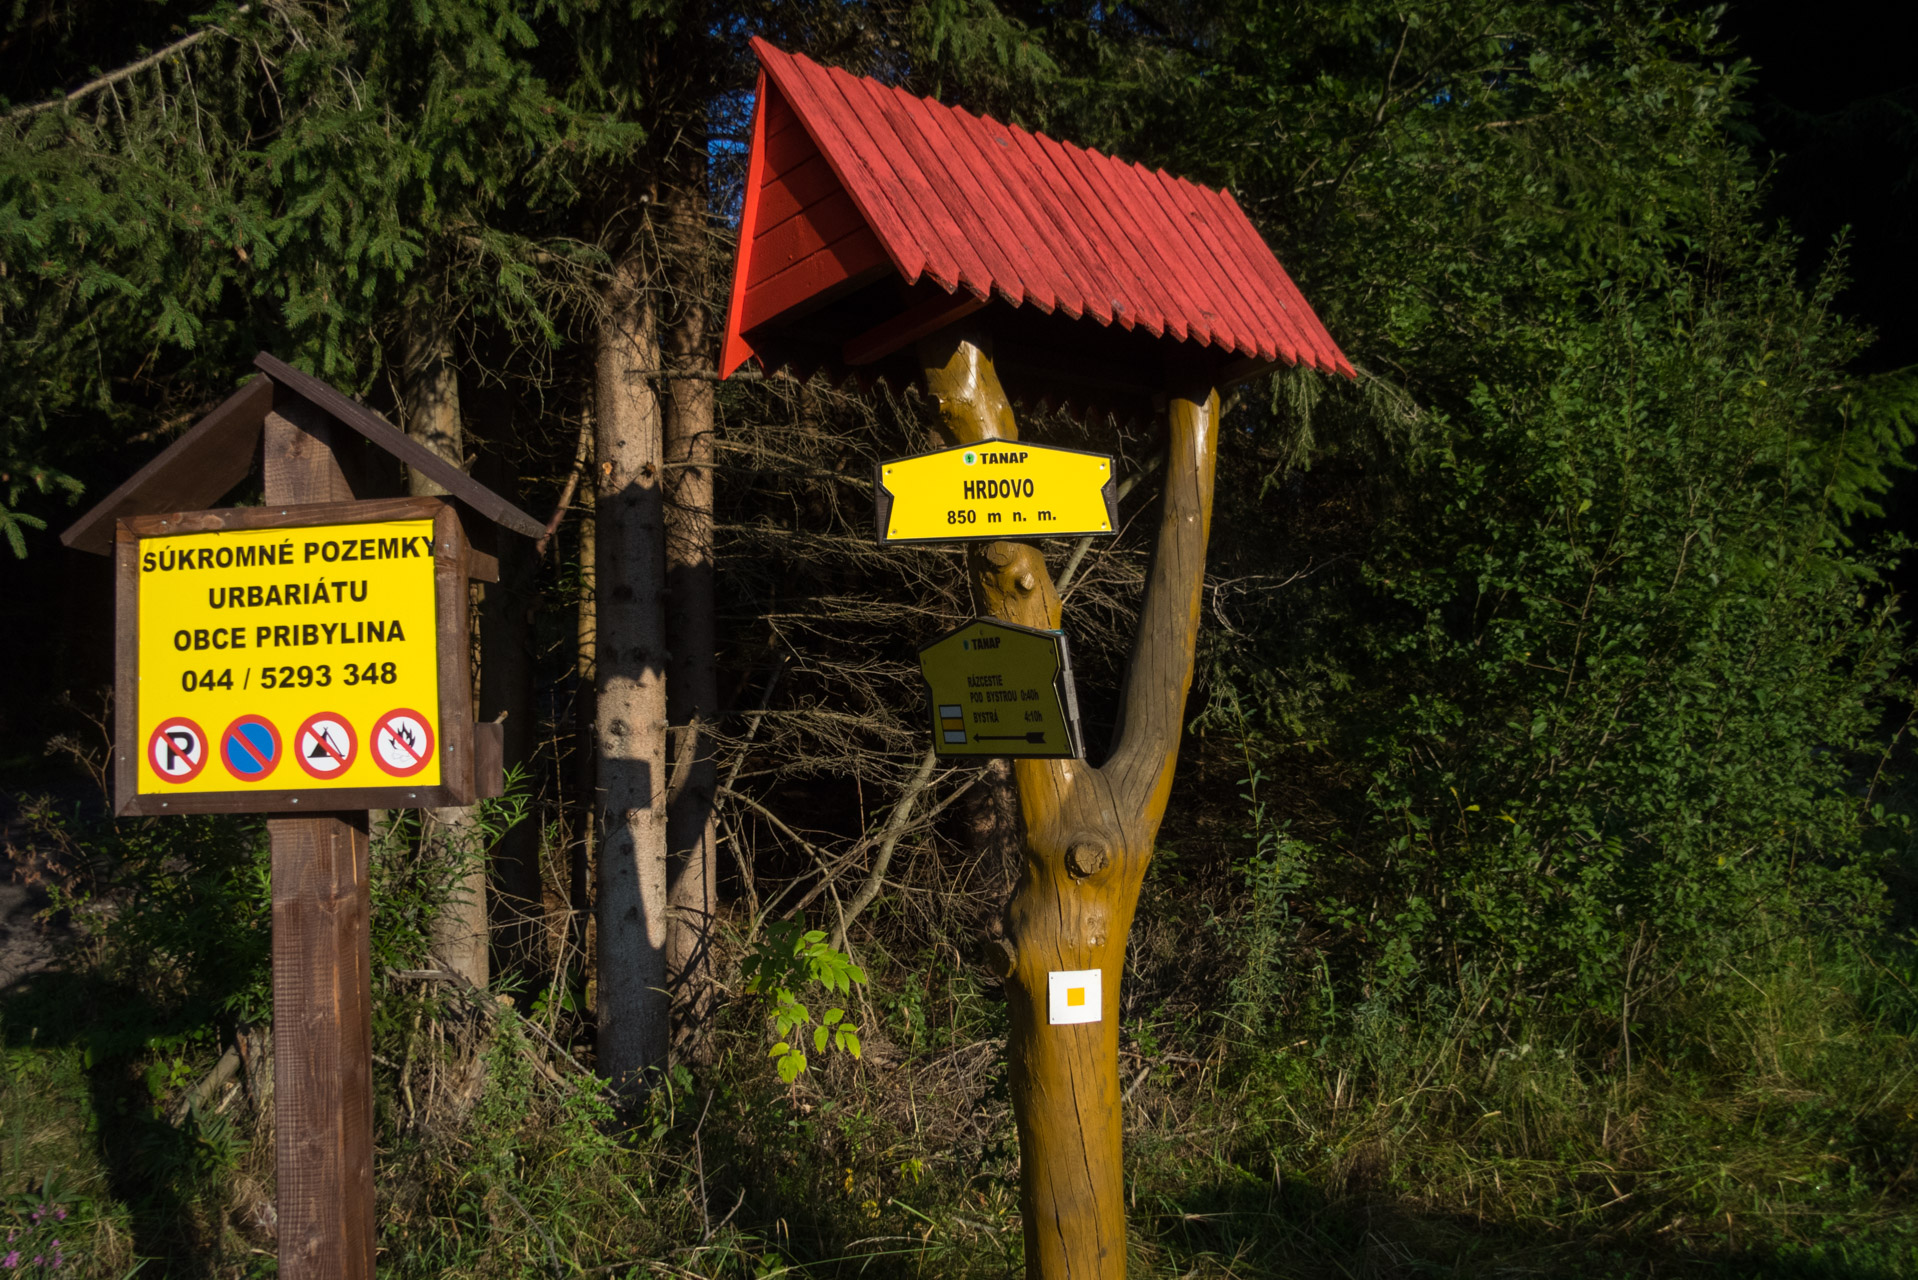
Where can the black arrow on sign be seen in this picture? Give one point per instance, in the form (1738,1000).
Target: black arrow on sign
(1037,736)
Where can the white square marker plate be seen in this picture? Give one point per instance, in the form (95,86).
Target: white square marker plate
(1074,995)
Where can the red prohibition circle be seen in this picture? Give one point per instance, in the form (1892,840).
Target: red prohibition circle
(421,753)
(238,749)
(174,753)
(345,756)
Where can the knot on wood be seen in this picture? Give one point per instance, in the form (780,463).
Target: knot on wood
(1000,956)
(1087,856)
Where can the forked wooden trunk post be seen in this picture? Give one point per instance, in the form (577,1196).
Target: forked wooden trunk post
(876,227)
(1088,832)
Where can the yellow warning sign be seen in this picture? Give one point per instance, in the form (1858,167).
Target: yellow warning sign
(998,689)
(1000,489)
(288,659)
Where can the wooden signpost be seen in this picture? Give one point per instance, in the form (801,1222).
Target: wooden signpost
(307,659)
(995,689)
(967,493)
(890,236)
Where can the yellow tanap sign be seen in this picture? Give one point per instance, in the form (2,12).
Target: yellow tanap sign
(1000,489)
(1001,690)
(288,659)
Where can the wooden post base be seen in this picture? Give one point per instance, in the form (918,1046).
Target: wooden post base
(322,1046)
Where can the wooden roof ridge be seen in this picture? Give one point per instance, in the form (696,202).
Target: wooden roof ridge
(850,180)
(219,450)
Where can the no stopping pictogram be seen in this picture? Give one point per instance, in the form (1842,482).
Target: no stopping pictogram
(250,748)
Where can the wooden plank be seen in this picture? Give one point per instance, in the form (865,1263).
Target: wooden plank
(1144,218)
(286,515)
(1250,256)
(454,641)
(857,105)
(322,979)
(1229,222)
(200,467)
(905,238)
(1315,343)
(322,1046)
(1071,224)
(290,803)
(971,205)
(799,238)
(909,326)
(489,759)
(1257,328)
(396,442)
(299,454)
(1028,234)
(780,198)
(734,350)
(787,144)
(1157,303)
(782,119)
(834,270)
(127,746)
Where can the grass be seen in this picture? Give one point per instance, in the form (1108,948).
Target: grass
(1760,1121)
(1770,1133)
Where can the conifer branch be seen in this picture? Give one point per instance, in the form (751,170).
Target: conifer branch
(112,78)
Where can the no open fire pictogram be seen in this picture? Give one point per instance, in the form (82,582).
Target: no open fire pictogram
(402,742)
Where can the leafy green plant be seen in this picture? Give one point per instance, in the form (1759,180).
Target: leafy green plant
(791,958)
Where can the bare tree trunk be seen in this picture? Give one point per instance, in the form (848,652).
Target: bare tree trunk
(506,686)
(431,395)
(585,725)
(1088,833)
(633,1006)
(692,682)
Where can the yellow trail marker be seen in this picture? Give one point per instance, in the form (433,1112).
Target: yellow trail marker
(997,489)
(997,689)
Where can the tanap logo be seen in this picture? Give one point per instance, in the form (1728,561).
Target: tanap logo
(971,457)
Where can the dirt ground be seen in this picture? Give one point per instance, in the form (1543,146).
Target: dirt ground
(26,945)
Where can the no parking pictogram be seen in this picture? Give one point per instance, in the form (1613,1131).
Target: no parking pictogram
(250,748)
(402,742)
(325,745)
(177,750)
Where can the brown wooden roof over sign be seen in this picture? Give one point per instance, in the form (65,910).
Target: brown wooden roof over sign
(876,218)
(219,451)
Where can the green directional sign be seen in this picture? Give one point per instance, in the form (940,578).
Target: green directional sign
(999,489)
(997,689)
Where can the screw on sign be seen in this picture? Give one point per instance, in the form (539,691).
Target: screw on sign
(177,750)
(250,748)
(325,745)
(402,742)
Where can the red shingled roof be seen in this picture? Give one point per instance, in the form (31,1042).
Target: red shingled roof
(850,179)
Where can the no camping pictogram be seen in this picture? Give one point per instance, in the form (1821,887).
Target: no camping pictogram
(325,745)
(177,750)
(250,748)
(402,742)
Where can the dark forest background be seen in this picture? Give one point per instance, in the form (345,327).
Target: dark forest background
(1538,891)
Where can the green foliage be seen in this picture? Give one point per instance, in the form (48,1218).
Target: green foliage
(1549,659)
(789,960)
